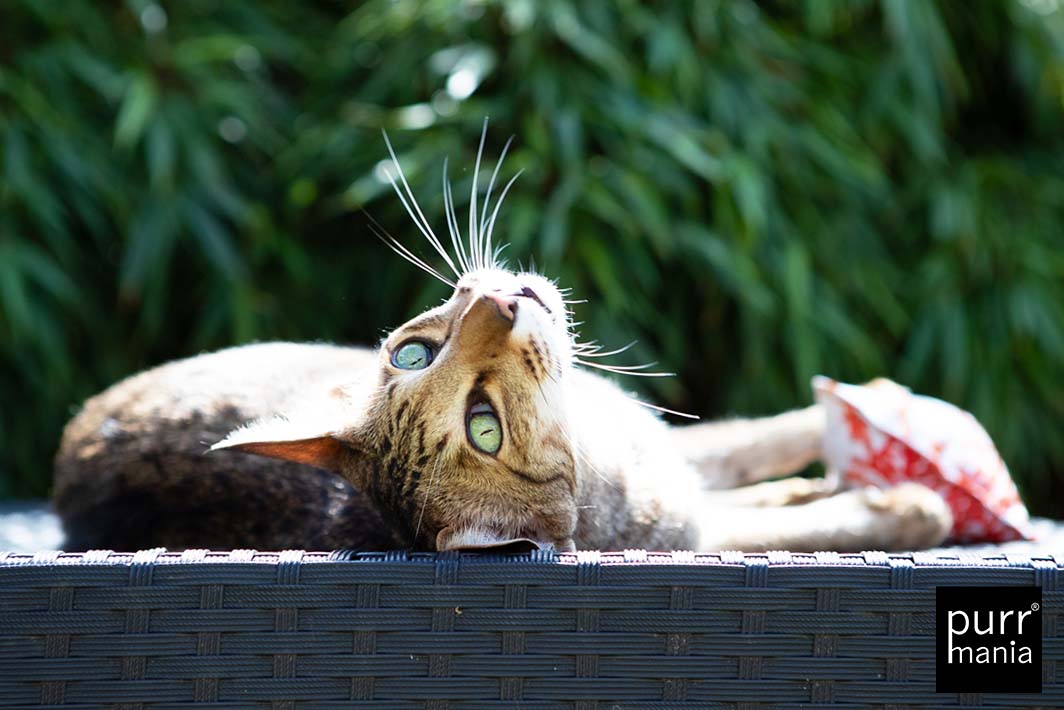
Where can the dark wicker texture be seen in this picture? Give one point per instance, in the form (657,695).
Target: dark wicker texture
(602,631)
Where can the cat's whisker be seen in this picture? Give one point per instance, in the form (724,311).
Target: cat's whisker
(491,185)
(425,500)
(452,222)
(402,251)
(598,352)
(474,235)
(663,409)
(422,228)
(412,206)
(495,255)
(628,370)
(498,205)
(636,370)
(395,245)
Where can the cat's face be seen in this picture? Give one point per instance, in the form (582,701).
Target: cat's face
(464,441)
(469,422)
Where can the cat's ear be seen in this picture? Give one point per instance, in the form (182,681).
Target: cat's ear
(281,438)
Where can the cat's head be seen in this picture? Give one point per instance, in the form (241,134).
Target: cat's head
(470,418)
(463,439)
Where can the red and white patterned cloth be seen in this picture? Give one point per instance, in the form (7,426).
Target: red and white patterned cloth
(881,434)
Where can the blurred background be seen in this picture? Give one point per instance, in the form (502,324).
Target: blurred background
(755,191)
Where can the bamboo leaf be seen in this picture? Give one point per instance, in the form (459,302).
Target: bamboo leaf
(135,111)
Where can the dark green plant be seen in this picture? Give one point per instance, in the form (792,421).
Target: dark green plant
(757,192)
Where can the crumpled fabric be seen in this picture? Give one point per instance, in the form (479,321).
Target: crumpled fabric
(881,434)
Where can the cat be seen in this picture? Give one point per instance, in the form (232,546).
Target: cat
(471,426)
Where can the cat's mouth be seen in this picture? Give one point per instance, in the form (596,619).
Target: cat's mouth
(480,539)
(527,292)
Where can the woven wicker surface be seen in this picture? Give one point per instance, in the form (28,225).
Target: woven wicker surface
(604,631)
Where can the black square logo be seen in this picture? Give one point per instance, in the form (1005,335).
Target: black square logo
(989,639)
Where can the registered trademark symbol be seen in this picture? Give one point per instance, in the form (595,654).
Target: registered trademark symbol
(1035,606)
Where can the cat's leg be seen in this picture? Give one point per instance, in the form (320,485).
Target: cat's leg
(906,517)
(743,451)
(774,494)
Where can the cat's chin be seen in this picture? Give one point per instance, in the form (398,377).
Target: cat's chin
(479,539)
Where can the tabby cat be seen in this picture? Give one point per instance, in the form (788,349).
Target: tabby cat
(470,426)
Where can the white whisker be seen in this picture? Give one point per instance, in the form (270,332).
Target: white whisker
(474,235)
(419,219)
(452,222)
(425,502)
(498,204)
(596,350)
(634,370)
(663,409)
(402,251)
(495,262)
(491,185)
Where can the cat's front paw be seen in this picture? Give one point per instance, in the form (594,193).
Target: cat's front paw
(916,516)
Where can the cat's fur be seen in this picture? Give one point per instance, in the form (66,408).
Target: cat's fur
(349,450)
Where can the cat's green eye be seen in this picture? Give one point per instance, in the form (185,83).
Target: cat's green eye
(412,355)
(484,428)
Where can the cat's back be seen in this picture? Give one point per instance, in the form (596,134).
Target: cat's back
(141,444)
(214,392)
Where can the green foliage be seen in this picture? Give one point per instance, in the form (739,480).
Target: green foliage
(756,192)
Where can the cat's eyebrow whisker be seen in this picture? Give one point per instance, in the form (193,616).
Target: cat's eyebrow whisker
(498,205)
(431,237)
(419,218)
(474,236)
(496,262)
(491,185)
(452,222)
(402,251)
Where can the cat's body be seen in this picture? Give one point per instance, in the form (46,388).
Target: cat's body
(471,425)
(135,470)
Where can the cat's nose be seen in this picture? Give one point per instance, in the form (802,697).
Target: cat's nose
(506,304)
(488,320)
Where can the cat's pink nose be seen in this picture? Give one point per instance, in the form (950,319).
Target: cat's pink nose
(507,305)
